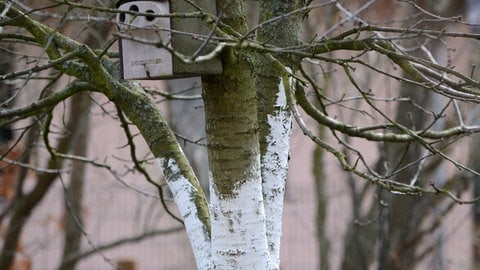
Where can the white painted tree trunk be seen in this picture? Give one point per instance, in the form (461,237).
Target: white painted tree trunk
(274,170)
(238,228)
(184,195)
(245,225)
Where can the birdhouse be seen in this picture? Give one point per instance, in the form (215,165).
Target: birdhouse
(148,40)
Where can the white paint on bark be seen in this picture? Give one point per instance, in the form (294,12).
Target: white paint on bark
(183,192)
(274,171)
(238,228)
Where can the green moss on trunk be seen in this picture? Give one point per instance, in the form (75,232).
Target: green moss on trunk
(231,122)
(143,112)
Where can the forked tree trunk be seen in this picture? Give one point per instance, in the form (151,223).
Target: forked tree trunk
(248,177)
(230,232)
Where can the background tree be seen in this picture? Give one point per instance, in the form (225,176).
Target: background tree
(268,70)
(400,235)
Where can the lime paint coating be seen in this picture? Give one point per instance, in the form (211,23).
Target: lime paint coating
(275,168)
(184,195)
(238,228)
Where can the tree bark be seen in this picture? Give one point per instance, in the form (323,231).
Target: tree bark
(274,115)
(275,124)
(74,193)
(179,175)
(237,206)
(187,118)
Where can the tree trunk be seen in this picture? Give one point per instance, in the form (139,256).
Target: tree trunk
(275,119)
(25,204)
(237,207)
(80,103)
(179,175)
(187,118)
(74,192)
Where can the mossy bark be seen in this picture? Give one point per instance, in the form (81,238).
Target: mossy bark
(179,175)
(237,207)
(146,116)
(231,123)
(234,158)
(231,110)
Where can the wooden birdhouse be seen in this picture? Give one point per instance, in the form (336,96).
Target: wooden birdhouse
(144,47)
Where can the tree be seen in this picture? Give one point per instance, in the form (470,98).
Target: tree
(248,113)
(407,229)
